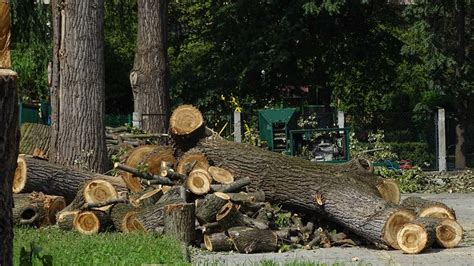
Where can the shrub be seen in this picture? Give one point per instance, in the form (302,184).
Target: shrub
(418,152)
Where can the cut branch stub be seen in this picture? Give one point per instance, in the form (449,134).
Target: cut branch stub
(198,182)
(154,159)
(221,175)
(185,120)
(190,161)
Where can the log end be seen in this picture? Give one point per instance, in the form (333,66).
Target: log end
(55,205)
(96,191)
(19,180)
(394,224)
(437,212)
(390,190)
(412,238)
(190,161)
(208,243)
(449,233)
(221,175)
(185,120)
(87,223)
(198,182)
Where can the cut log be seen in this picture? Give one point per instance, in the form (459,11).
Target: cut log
(198,182)
(186,126)
(150,178)
(147,198)
(251,240)
(92,222)
(229,216)
(28,211)
(154,159)
(242,198)
(220,175)
(449,233)
(179,221)
(133,160)
(218,242)
(207,211)
(428,208)
(190,161)
(123,217)
(167,170)
(417,235)
(65,220)
(232,187)
(93,191)
(51,179)
(176,194)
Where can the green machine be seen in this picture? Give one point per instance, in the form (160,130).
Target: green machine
(275,125)
(279,129)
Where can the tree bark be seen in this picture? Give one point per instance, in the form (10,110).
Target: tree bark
(77,94)
(179,221)
(52,179)
(428,208)
(250,240)
(9,137)
(150,75)
(35,137)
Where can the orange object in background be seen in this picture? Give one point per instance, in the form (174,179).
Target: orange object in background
(5,34)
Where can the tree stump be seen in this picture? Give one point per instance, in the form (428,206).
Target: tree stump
(179,221)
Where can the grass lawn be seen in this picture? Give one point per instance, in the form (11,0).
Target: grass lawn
(71,248)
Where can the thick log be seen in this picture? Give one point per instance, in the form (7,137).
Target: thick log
(52,179)
(186,127)
(190,161)
(449,233)
(428,208)
(147,198)
(218,242)
(92,222)
(179,221)
(198,182)
(154,159)
(251,240)
(123,217)
(92,192)
(417,235)
(242,198)
(134,158)
(36,208)
(65,220)
(207,211)
(221,175)
(310,187)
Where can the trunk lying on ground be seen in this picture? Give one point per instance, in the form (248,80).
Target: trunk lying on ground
(428,208)
(52,179)
(37,209)
(333,190)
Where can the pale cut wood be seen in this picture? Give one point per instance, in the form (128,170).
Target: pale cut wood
(190,161)
(198,182)
(218,242)
(428,208)
(134,159)
(185,120)
(220,175)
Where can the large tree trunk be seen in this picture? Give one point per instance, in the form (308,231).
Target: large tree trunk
(9,136)
(77,95)
(150,75)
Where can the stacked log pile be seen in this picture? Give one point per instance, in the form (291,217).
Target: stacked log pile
(222,195)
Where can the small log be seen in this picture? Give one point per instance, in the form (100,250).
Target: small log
(198,182)
(232,187)
(65,220)
(314,242)
(28,211)
(176,194)
(449,233)
(91,192)
(179,221)
(123,217)
(191,161)
(428,208)
(229,216)
(242,198)
(167,171)
(101,205)
(116,129)
(251,240)
(186,126)
(208,210)
(147,198)
(417,236)
(158,179)
(393,225)
(218,242)
(211,228)
(220,175)
(92,222)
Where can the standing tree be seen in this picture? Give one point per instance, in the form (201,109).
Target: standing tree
(77,92)
(9,135)
(150,75)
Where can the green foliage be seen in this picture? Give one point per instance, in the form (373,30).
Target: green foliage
(411,180)
(282,218)
(419,153)
(34,256)
(381,149)
(71,248)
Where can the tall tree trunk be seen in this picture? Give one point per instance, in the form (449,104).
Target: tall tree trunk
(9,137)
(150,75)
(461,108)
(78,137)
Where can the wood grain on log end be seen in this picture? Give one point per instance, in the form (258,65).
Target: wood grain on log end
(87,223)
(389,190)
(393,225)
(19,180)
(218,242)
(220,175)
(54,204)
(449,233)
(192,158)
(198,182)
(437,212)
(99,190)
(154,159)
(134,159)
(412,238)
(185,120)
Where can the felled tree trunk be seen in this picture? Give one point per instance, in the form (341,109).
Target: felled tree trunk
(309,187)
(52,179)
(9,135)
(428,208)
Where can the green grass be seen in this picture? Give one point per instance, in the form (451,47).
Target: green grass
(71,248)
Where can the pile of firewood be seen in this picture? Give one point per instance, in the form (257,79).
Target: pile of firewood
(207,191)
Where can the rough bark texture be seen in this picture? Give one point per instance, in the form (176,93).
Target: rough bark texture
(428,208)
(53,179)
(9,136)
(34,138)
(218,242)
(206,212)
(150,75)
(250,240)
(179,221)
(77,95)
(305,186)
(122,216)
